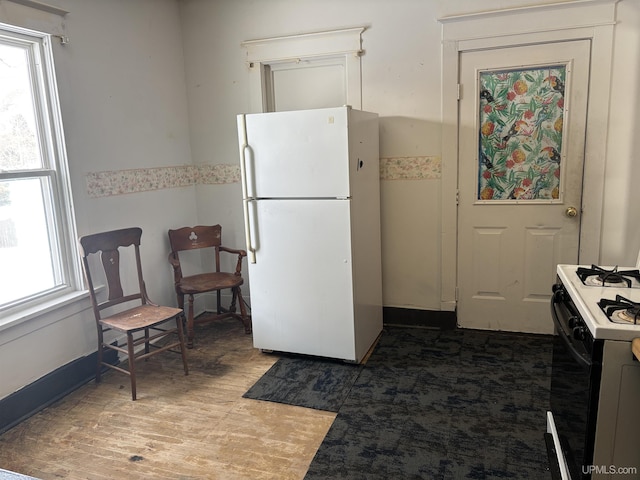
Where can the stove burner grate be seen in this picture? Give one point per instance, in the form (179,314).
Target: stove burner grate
(598,276)
(622,309)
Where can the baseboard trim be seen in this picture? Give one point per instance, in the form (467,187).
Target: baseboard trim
(49,389)
(442,320)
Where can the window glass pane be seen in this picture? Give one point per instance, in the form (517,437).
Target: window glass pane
(29,265)
(521,128)
(308,84)
(19,148)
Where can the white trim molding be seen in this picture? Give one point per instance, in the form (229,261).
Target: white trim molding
(579,19)
(35,15)
(45,7)
(292,47)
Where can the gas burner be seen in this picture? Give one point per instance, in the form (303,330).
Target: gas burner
(621,310)
(600,277)
(629,315)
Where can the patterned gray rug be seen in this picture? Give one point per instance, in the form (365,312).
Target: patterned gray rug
(309,382)
(454,404)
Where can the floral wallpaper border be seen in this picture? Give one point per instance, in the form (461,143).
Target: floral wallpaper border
(410,168)
(121,182)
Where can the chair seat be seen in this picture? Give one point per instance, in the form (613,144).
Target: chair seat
(208,282)
(140,317)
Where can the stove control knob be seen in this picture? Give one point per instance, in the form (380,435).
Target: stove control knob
(572,322)
(558,293)
(579,333)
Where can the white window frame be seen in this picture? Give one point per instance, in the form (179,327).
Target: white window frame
(272,69)
(62,224)
(344,46)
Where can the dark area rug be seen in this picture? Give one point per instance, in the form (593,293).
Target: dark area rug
(310,382)
(431,404)
(428,404)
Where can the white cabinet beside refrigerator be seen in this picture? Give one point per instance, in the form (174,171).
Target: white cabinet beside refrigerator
(311,194)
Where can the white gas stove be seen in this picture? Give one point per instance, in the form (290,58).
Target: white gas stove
(595,379)
(595,295)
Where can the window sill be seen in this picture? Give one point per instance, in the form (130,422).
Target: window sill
(48,312)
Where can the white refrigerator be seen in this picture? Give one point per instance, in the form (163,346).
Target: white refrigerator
(311,198)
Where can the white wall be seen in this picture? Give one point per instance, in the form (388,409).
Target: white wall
(621,219)
(123,98)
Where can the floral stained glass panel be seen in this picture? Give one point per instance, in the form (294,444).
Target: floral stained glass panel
(520,138)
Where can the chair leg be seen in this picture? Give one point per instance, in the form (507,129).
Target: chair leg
(190,332)
(234,299)
(246,320)
(183,316)
(182,345)
(100,353)
(132,367)
(146,341)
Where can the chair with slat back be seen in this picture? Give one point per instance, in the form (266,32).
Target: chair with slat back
(142,323)
(208,238)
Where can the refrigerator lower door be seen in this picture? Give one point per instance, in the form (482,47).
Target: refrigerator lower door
(301,284)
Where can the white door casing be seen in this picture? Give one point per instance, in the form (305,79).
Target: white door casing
(591,20)
(511,239)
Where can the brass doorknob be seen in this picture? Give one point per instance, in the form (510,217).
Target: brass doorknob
(571,212)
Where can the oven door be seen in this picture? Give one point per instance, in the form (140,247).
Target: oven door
(575,383)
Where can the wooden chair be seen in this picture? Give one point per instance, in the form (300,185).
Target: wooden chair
(210,238)
(146,318)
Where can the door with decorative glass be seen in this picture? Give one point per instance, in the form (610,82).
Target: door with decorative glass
(522,117)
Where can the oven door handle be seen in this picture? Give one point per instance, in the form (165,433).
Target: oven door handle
(582,358)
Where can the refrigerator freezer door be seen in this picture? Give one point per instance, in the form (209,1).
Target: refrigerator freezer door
(301,283)
(298,154)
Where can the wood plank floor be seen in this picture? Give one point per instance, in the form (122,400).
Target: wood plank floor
(181,427)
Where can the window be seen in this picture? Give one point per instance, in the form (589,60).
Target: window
(37,234)
(306,84)
(310,70)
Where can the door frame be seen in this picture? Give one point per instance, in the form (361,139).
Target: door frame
(592,20)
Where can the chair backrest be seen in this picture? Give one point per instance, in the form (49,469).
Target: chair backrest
(108,245)
(194,238)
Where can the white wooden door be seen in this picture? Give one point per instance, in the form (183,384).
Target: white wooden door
(521,154)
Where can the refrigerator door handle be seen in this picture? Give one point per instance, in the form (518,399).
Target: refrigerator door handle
(251,252)
(244,146)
